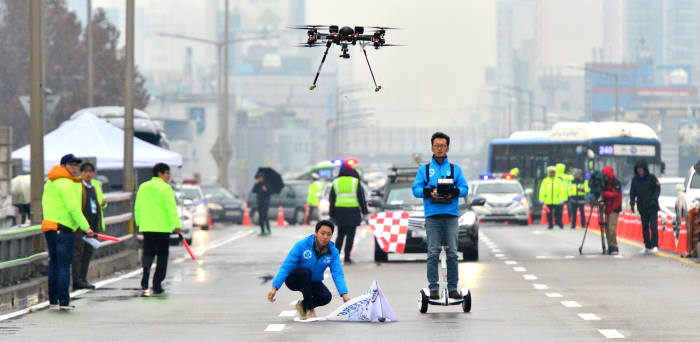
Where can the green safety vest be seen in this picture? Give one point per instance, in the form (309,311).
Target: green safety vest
(314,193)
(579,189)
(155,209)
(346,192)
(552,191)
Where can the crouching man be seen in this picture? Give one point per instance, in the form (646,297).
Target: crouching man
(303,269)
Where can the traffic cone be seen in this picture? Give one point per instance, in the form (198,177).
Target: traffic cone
(637,231)
(543,220)
(306,213)
(529,217)
(623,225)
(246,216)
(280,217)
(595,220)
(682,247)
(669,240)
(660,230)
(565,217)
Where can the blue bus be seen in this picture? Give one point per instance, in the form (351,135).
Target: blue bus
(586,146)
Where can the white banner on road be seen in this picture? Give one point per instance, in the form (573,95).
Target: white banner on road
(369,307)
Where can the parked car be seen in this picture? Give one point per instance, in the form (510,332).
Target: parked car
(667,197)
(193,199)
(505,200)
(292,199)
(223,204)
(187,228)
(688,192)
(398,195)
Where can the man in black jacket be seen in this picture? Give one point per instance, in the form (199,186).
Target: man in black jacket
(263,196)
(644,192)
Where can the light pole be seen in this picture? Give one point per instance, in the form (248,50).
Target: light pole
(90,93)
(128,183)
(222,154)
(606,73)
(36,109)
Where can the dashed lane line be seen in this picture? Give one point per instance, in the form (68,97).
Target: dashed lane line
(571,304)
(529,277)
(511,262)
(274,327)
(554,295)
(589,317)
(519,269)
(611,333)
(540,286)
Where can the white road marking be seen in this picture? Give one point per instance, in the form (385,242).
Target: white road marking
(519,269)
(571,304)
(589,317)
(540,286)
(500,255)
(536,232)
(542,257)
(274,327)
(102,283)
(611,333)
(496,250)
(511,262)
(569,257)
(288,313)
(529,277)
(554,295)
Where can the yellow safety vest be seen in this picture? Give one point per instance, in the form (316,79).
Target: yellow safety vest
(346,192)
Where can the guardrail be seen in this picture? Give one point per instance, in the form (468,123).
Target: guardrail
(23,252)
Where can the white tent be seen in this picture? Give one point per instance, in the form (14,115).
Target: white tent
(89,136)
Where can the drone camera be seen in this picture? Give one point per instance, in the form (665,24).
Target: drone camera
(333,29)
(359,29)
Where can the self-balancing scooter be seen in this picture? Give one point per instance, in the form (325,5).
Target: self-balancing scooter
(444,300)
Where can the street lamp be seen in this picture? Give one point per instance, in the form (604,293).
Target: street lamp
(605,73)
(222,150)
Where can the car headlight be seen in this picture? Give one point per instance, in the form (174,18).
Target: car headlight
(215,206)
(523,201)
(468,219)
(200,208)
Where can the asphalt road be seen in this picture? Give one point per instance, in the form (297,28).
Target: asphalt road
(530,284)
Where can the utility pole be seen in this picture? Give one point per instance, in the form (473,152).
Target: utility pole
(36,107)
(89,53)
(128,184)
(223,140)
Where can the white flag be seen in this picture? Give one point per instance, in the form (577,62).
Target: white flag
(369,307)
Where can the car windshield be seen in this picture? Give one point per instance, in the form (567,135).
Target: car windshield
(402,196)
(301,189)
(218,193)
(669,189)
(695,182)
(498,188)
(190,194)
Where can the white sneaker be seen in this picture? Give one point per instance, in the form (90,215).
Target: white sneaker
(655,249)
(66,307)
(53,306)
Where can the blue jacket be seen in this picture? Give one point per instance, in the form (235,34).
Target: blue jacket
(303,255)
(438,171)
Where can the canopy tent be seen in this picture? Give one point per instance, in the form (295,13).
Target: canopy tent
(89,136)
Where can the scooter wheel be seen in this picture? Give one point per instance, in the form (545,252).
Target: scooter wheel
(423,302)
(467,302)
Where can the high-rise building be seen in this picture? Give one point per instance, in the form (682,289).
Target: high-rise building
(516,39)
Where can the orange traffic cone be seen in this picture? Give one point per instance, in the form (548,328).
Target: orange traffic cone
(545,209)
(637,231)
(565,217)
(529,217)
(669,240)
(280,217)
(682,247)
(660,230)
(307,209)
(623,225)
(246,216)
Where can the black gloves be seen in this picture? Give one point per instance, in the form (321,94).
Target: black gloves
(455,193)
(427,192)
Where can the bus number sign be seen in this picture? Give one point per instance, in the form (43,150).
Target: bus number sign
(627,150)
(606,150)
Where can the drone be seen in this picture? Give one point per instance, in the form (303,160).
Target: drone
(345,36)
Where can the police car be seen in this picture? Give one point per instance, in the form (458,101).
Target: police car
(505,199)
(398,195)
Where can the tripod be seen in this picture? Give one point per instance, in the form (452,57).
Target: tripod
(601,223)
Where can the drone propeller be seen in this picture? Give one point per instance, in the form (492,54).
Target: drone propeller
(383,45)
(306,27)
(309,45)
(383,28)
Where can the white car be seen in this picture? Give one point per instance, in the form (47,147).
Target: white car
(505,200)
(688,192)
(668,196)
(193,199)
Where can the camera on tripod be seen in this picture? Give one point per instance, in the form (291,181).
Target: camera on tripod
(445,187)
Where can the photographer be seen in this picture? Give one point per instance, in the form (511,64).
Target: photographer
(612,197)
(644,192)
(440,184)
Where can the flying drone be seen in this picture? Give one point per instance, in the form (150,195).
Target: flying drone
(344,36)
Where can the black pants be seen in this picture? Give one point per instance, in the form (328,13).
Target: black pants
(556,210)
(82,252)
(577,208)
(263,209)
(155,244)
(650,223)
(315,293)
(347,232)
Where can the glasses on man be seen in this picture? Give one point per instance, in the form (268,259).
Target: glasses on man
(440,146)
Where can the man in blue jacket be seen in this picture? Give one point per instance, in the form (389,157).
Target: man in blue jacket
(441,211)
(303,269)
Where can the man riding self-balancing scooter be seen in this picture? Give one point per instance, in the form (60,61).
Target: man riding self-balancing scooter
(440,184)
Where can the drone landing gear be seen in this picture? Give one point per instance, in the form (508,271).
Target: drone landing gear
(376,87)
(344,51)
(328,46)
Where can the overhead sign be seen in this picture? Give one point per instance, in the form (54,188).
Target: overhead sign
(51,101)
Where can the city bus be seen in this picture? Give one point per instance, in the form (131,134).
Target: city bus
(586,146)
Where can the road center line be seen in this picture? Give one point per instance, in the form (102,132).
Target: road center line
(519,269)
(529,277)
(589,317)
(511,262)
(571,304)
(540,286)
(554,295)
(274,327)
